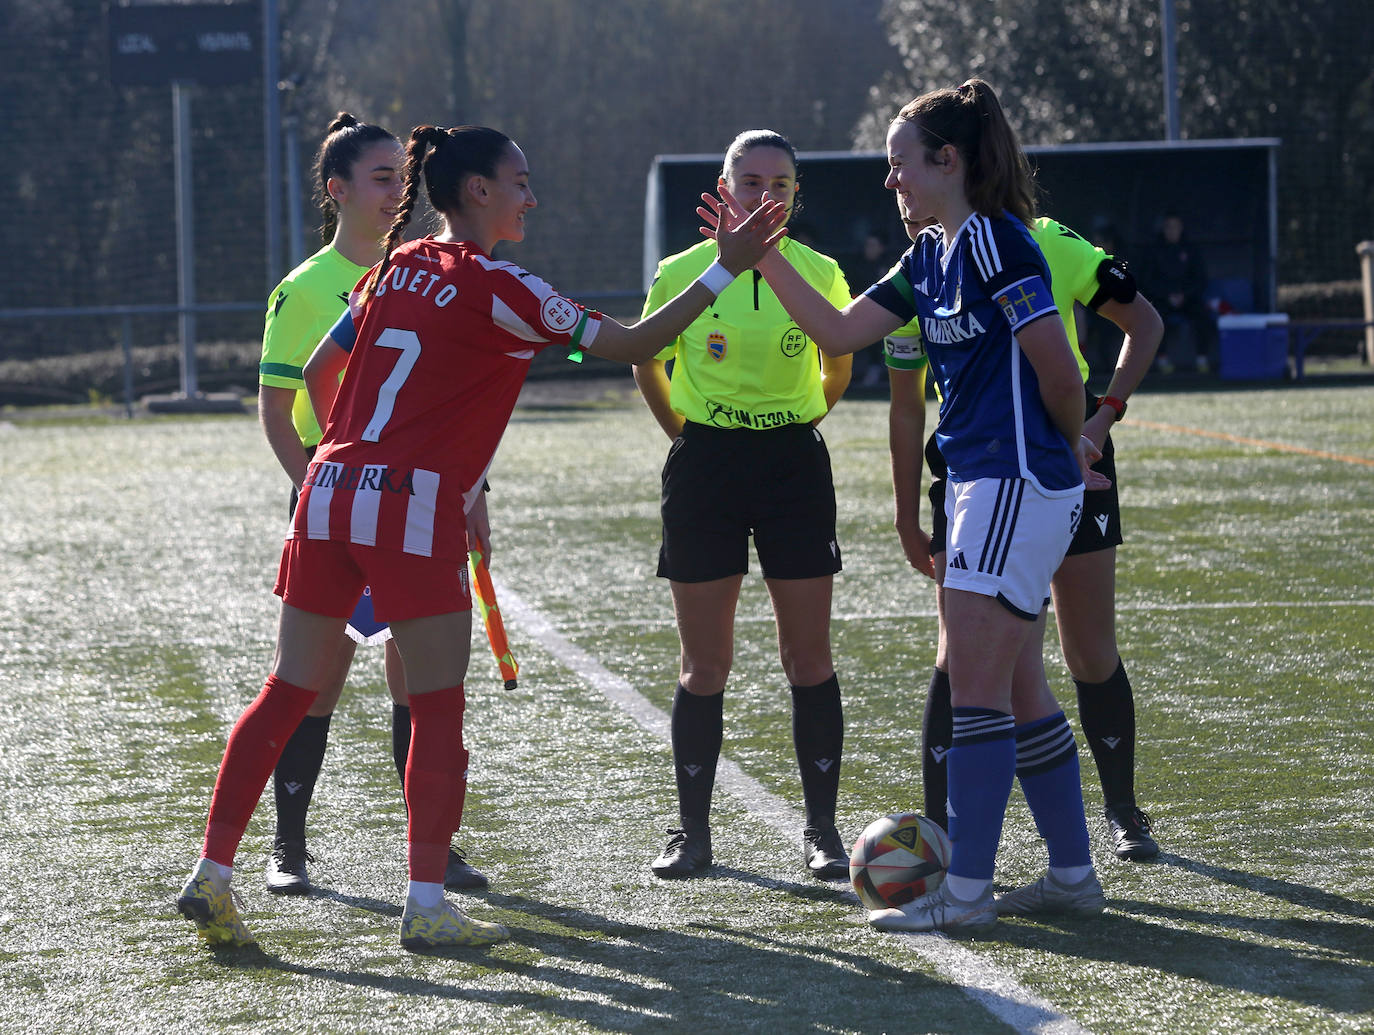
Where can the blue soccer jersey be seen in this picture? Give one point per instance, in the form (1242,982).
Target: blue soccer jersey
(971,300)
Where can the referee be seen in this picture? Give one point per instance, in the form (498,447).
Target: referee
(747,388)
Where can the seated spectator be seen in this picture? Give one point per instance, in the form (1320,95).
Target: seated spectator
(1174,277)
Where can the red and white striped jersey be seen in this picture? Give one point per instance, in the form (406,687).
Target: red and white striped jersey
(441,351)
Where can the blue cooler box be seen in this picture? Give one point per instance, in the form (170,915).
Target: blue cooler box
(1254,346)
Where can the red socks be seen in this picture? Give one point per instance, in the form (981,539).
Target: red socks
(436,772)
(255,744)
(436,780)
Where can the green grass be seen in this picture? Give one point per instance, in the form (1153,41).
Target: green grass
(137,620)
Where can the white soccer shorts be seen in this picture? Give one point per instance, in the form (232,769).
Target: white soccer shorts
(1006,540)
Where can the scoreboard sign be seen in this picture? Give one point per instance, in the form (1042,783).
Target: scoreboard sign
(207,44)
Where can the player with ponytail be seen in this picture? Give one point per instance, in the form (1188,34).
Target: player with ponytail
(1083,588)
(1011,417)
(357,182)
(433,349)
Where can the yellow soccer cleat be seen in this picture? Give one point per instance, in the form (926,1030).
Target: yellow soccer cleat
(444,925)
(212,910)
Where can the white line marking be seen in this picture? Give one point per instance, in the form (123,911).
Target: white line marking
(925,611)
(996,990)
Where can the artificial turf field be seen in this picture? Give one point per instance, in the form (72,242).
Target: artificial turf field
(137,620)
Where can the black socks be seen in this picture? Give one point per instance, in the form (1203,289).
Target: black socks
(1107,714)
(698,728)
(818,735)
(937,731)
(293,781)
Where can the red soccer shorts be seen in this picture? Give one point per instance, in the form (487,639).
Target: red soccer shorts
(326,577)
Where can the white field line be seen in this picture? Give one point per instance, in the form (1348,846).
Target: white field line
(928,611)
(666,622)
(993,988)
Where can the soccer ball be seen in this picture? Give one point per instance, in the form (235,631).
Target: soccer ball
(898,858)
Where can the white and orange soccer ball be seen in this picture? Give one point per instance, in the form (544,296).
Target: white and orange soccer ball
(898,858)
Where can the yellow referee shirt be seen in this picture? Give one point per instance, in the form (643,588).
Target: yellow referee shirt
(744,363)
(300,312)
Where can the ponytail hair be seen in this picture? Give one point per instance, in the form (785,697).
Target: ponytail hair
(344,143)
(997,175)
(752,138)
(446,158)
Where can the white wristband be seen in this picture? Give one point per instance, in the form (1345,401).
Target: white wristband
(716,278)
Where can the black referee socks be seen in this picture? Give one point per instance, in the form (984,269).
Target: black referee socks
(293,781)
(818,735)
(400,739)
(698,728)
(1107,714)
(937,730)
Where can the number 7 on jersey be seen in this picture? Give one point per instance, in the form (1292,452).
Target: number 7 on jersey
(408,343)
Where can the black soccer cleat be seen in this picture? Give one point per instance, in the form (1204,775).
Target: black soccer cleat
(823,853)
(461,875)
(286,869)
(688,852)
(1131,832)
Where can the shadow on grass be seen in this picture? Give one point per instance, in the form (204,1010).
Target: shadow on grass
(587,968)
(1298,894)
(816,890)
(1328,968)
(380,906)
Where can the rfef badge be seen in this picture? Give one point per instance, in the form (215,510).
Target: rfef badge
(716,345)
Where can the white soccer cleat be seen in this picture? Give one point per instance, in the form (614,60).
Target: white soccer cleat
(1047,895)
(939,911)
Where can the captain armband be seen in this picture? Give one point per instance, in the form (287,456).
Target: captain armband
(577,347)
(1115,283)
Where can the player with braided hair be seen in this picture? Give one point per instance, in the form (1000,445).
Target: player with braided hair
(434,347)
(357,186)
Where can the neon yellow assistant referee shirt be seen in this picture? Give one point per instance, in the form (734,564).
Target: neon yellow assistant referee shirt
(744,363)
(300,312)
(1073,264)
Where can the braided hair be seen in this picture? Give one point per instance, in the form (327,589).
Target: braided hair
(446,158)
(344,143)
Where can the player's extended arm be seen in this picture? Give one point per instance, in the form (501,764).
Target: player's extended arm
(322,372)
(836,332)
(652,378)
(274,412)
(906,434)
(1143,329)
(739,247)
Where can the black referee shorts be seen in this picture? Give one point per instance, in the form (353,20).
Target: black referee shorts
(1100,528)
(295,493)
(722,485)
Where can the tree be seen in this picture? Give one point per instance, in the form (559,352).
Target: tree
(1090,71)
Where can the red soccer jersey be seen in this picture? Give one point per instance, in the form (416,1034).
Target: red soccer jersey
(442,349)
